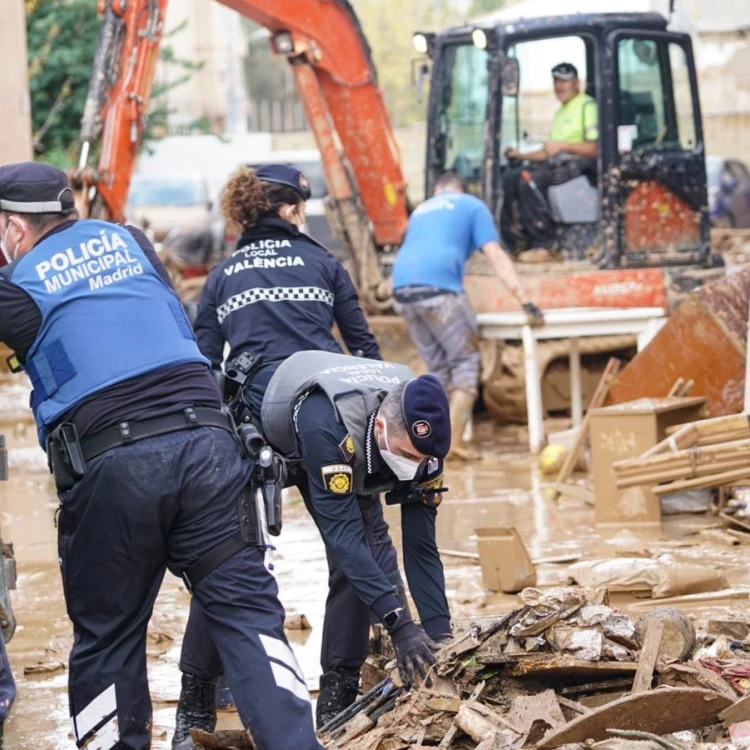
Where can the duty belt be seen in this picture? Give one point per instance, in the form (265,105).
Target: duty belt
(67,454)
(126,433)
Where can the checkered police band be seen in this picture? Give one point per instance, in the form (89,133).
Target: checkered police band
(274,294)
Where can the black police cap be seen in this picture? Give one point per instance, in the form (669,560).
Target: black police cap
(424,406)
(565,71)
(35,188)
(283,174)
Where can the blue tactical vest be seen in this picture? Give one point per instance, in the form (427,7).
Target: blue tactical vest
(107,316)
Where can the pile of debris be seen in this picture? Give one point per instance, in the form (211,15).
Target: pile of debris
(564,668)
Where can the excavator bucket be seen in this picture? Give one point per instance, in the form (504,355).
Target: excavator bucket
(704,340)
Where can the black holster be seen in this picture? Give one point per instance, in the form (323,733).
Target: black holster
(65,456)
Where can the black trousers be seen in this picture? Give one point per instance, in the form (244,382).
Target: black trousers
(537,228)
(140,509)
(347,619)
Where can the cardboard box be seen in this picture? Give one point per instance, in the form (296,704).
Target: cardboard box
(626,431)
(506,565)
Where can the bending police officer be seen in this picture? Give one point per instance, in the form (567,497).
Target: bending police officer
(148,470)
(361,428)
(280,293)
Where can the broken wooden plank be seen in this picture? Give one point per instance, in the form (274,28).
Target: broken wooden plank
(739,711)
(602,389)
(223,739)
(590,687)
(568,668)
(474,724)
(734,521)
(738,630)
(707,596)
(661,711)
(579,708)
(649,653)
(676,388)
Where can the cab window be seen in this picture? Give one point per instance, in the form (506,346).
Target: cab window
(463,111)
(527,119)
(656,109)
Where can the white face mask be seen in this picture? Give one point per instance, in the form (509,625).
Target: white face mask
(404,468)
(9,256)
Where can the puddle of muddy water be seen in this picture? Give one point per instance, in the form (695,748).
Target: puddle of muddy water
(501,490)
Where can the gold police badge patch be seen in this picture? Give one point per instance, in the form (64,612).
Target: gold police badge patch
(337,478)
(346,448)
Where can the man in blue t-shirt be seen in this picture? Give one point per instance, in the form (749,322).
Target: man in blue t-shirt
(428,274)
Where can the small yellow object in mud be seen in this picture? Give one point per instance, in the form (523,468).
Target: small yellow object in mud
(551,460)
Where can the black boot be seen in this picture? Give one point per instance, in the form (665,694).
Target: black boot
(224,697)
(196,710)
(338,690)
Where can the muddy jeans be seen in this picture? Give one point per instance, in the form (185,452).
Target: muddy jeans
(445,331)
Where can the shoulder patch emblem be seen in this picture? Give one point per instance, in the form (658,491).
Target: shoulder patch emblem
(346,448)
(337,478)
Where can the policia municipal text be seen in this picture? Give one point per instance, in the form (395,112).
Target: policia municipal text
(148,469)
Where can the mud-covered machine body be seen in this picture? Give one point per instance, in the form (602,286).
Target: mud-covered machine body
(632,225)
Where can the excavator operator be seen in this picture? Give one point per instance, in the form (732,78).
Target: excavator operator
(575,131)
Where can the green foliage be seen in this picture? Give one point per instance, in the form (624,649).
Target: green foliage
(388,26)
(62,37)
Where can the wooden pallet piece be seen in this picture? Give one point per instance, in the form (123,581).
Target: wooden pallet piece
(647,660)
(602,389)
(676,388)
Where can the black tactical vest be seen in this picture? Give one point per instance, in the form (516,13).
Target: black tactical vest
(355,387)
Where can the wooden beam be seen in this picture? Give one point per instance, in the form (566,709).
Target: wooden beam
(647,660)
(602,389)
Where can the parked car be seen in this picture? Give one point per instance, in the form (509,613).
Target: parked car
(162,203)
(728,192)
(308,162)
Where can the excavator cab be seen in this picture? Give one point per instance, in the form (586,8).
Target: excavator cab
(642,201)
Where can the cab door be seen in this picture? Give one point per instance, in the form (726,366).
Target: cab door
(655,185)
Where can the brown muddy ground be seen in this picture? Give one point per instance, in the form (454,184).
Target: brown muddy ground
(503,489)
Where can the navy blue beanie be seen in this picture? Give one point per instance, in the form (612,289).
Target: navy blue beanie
(424,406)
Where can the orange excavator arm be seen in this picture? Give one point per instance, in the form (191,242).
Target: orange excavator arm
(337,82)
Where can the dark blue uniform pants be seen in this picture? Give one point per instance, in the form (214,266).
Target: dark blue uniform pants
(347,618)
(140,509)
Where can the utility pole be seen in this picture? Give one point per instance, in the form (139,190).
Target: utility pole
(15,144)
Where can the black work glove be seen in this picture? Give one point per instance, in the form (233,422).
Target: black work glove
(413,651)
(534,314)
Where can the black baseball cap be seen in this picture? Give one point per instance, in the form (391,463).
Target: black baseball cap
(35,188)
(283,174)
(565,71)
(424,406)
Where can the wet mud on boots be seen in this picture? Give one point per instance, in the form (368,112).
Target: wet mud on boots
(196,710)
(338,690)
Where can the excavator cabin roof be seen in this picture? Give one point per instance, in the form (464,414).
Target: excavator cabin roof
(562,24)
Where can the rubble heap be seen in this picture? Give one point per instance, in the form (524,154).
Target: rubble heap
(562,669)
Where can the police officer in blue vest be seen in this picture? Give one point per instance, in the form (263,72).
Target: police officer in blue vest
(278,294)
(147,466)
